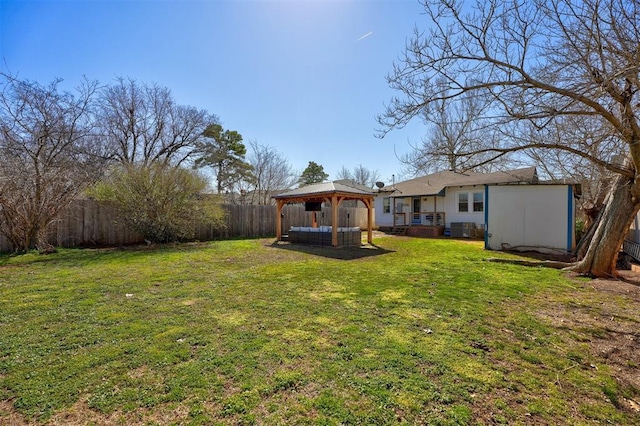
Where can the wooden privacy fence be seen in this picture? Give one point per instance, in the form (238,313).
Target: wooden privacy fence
(92,223)
(248,221)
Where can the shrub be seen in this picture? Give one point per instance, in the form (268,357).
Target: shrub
(163,203)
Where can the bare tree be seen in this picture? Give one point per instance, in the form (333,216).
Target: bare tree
(360,175)
(143,124)
(344,173)
(365,176)
(271,172)
(537,62)
(48,156)
(455,135)
(583,133)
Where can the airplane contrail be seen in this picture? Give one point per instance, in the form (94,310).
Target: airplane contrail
(365,36)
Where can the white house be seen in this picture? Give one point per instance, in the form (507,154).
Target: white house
(509,209)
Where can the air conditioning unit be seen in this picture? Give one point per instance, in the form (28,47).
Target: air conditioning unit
(463,229)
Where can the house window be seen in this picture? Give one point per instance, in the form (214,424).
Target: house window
(463,202)
(386,205)
(470,202)
(478,202)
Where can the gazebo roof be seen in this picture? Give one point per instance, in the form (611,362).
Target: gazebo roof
(345,188)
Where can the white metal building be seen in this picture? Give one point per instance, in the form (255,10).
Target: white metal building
(530,217)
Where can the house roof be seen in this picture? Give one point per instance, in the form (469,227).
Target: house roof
(319,190)
(352,183)
(435,183)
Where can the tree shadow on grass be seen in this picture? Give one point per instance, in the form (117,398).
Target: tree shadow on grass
(340,253)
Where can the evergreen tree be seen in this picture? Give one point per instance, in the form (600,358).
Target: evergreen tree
(314,173)
(224,152)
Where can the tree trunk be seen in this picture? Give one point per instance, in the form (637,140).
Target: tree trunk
(620,209)
(42,241)
(585,241)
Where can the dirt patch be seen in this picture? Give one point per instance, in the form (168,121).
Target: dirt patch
(611,316)
(80,414)
(5,267)
(8,415)
(558,257)
(602,315)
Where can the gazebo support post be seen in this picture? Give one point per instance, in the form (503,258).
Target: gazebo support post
(369,221)
(334,220)
(279,204)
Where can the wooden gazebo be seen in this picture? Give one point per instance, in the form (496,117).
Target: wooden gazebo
(330,192)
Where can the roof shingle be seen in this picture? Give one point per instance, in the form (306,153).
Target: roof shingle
(324,188)
(435,183)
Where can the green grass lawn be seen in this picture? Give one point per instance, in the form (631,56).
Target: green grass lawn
(416,331)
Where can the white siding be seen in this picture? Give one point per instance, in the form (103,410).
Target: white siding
(426,204)
(446,204)
(382,219)
(530,217)
(451,206)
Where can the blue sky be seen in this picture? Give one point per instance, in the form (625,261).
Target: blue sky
(305,77)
